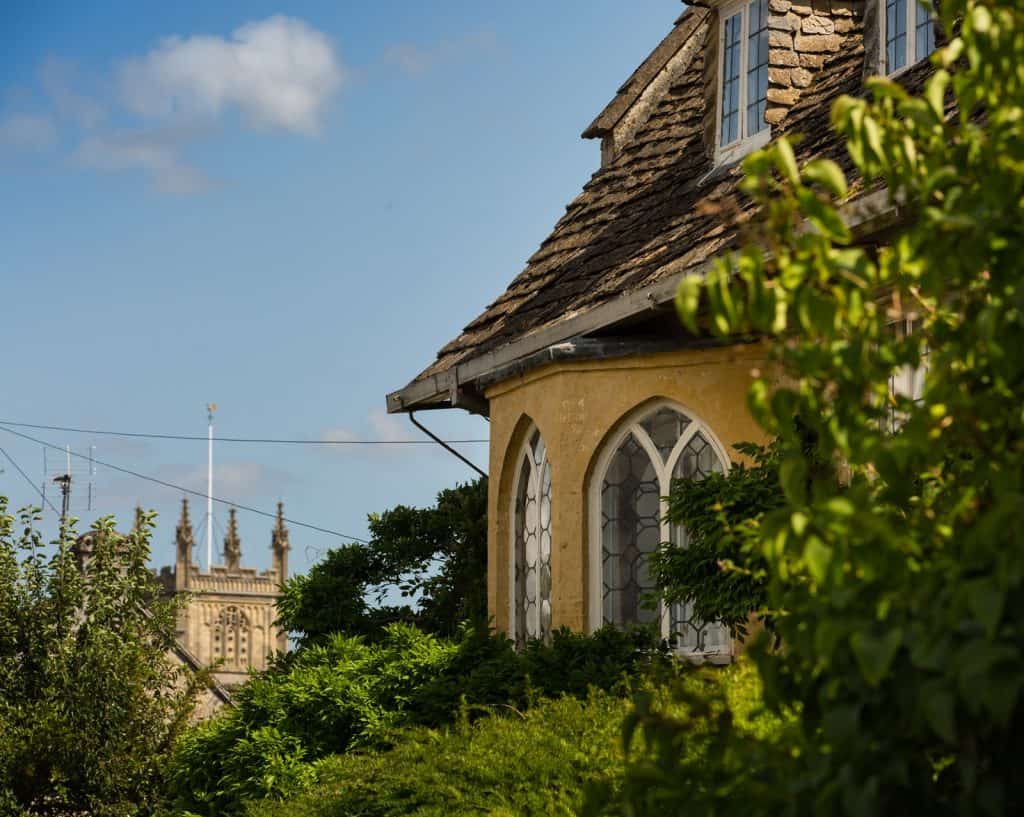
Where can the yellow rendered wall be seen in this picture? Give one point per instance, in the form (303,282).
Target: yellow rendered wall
(575,406)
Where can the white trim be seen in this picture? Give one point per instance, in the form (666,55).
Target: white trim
(630,424)
(537,472)
(743,144)
(912,59)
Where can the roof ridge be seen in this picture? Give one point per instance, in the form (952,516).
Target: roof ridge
(633,88)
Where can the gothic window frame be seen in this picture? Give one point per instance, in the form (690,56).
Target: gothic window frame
(917,22)
(737,15)
(232,627)
(533,465)
(663,466)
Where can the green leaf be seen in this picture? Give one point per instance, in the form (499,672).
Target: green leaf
(939,705)
(875,653)
(786,161)
(793,477)
(829,175)
(688,300)
(935,92)
(986,599)
(818,557)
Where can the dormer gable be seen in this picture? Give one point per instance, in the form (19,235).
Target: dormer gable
(759,56)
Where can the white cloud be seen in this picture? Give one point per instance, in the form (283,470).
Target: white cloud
(58,78)
(155,153)
(279,72)
(414,60)
(378,425)
(24,131)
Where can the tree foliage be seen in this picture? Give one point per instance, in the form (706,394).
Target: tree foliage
(437,555)
(90,704)
(718,568)
(895,578)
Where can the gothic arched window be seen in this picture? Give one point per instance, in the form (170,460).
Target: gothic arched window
(633,475)
(531,542)
(231,638)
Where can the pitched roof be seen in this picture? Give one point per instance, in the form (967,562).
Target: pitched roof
(642,220)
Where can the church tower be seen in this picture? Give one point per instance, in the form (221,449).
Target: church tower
(228,617)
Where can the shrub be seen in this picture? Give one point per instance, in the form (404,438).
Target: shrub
(538,762)
(345,694)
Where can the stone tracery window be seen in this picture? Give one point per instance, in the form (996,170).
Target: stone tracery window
(231,638)
(531,546)
(634,473)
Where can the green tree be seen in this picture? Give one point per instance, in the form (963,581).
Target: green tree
(90,704)
(894,578)
(437,555)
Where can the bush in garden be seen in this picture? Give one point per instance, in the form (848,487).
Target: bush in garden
(534,763)
(344,694)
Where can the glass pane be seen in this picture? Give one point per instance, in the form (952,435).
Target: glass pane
(895,34)
(696,461)
(730,123)
(630,531)
(532,580)
(924,29)
(665,427)
(757,67)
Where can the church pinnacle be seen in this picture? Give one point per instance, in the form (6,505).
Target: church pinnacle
(232,544)
(183,535)
(280,545)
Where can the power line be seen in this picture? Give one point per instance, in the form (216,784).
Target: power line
(182,488)
(28,479)
(203,438)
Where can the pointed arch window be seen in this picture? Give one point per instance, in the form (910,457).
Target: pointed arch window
(531,543)
(231,638)
(633,475)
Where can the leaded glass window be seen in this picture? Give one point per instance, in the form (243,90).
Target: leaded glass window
(908,33)
(731,55)
(744,71)
(757,66)
(635,476)
(532,543)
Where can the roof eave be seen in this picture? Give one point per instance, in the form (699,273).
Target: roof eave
(453,388)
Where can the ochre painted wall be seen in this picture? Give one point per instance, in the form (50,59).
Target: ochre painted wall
(575,406)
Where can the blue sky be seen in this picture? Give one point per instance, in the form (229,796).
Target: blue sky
(285,208)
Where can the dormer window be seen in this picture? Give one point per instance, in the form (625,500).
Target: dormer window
(743,78)
(908,32)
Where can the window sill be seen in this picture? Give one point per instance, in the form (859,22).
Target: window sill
(730,154)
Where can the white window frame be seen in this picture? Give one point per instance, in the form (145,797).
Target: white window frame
(913,7)
(663,469)
(525,450)
(743,145)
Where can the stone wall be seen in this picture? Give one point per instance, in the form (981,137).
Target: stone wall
(802,34)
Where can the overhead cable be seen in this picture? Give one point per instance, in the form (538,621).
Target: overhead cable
(204,438)
(182,488)
(28,479)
